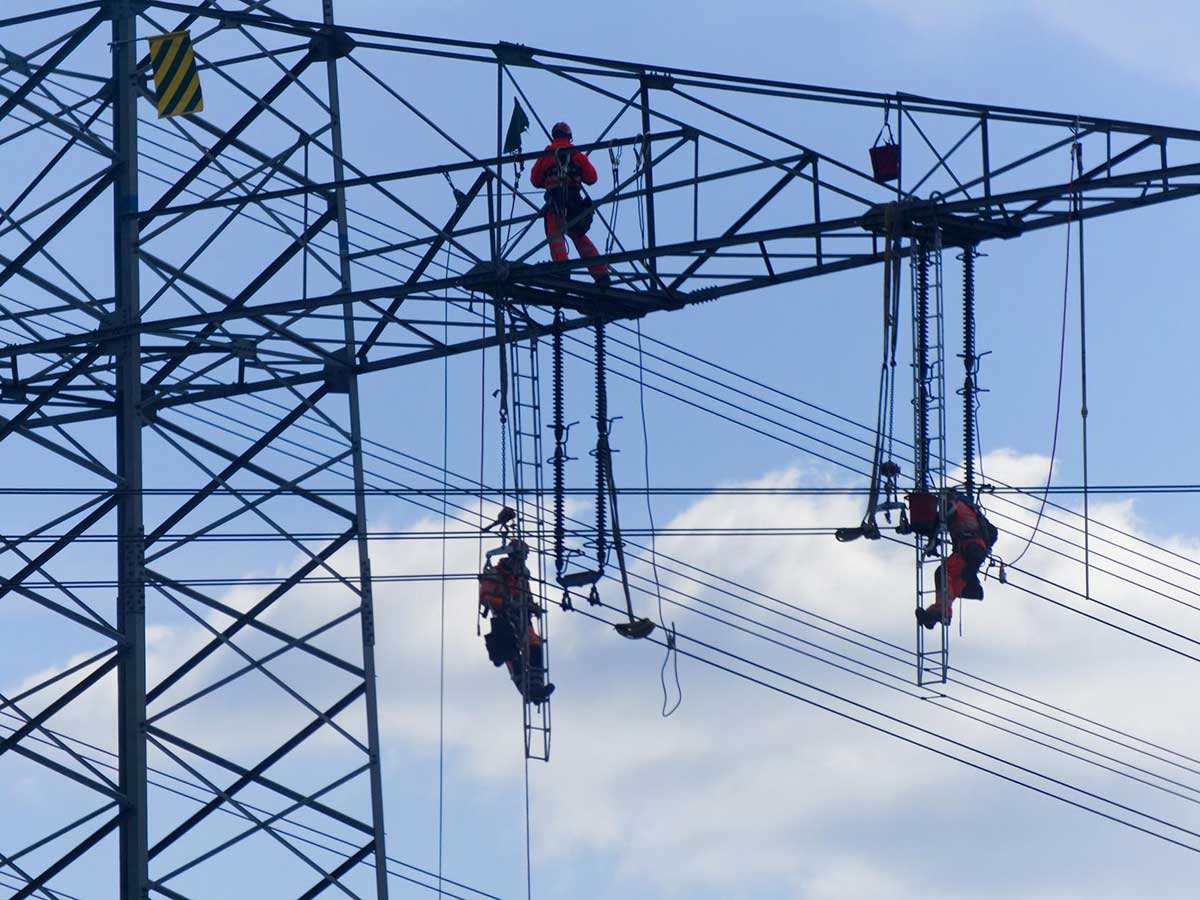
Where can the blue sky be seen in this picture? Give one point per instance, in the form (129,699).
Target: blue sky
(745,793)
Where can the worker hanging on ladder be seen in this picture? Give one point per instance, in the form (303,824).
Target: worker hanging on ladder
(513,640)
(972,537)
(561,173)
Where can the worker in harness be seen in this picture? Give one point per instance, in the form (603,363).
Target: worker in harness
(972,537)
(561,173)
(512,640)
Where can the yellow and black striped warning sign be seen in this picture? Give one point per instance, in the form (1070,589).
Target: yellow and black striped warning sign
(176,81)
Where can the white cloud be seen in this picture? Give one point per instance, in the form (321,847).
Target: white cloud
(1158,39)
(745,792)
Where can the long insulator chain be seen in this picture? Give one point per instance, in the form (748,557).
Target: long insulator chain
(560,449)
(969,363)
(922,366)
(602,450)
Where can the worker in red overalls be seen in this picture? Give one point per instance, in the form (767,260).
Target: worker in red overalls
(972,537)
(561,173)
(513,641)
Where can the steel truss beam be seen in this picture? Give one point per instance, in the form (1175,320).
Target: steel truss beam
(265,260)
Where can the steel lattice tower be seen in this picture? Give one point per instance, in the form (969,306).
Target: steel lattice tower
(195,302)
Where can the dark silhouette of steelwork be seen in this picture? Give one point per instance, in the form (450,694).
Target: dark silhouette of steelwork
(195,301)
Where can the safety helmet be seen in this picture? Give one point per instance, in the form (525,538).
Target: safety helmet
(561,130)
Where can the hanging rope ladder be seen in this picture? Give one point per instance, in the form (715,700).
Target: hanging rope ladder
(927,501)
(529,499)
(519,633)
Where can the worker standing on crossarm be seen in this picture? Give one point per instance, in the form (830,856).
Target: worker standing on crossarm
(561,173)
(972,537)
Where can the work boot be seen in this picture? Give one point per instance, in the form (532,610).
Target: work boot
(933,615)
(973,590)
(540,693)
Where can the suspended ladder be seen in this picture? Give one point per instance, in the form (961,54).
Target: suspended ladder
(929,433)
(529,503)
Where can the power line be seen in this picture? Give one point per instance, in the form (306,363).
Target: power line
(431,466)
(884,730)
(715,490)
(1143,751)
(295,835)
(1068,607)
(900,684)
(435,467)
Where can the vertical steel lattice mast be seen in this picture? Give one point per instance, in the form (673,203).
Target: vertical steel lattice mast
(929,429)
(131,536)
(238,715)
(367,616)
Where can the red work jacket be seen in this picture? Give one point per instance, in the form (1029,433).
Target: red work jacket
(545,174)
(501,586)
(963,523)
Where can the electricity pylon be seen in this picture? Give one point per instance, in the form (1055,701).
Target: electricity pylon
(190,305)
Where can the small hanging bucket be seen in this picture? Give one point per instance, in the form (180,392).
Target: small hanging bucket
(885,156)
(923,512)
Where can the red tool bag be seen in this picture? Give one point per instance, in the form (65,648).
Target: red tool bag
(923,512)
(885,156)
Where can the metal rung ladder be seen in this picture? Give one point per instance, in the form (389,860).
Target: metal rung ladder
(526,424)
(929,431)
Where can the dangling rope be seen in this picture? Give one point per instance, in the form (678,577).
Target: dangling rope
(502,349)
(893,318)
(1062,353)
(483,326)
(671,654)
(518,171)
(1077,200)
(640,184)
(528,839)
(442,626)
(886,404)
(891,421)
(614,158)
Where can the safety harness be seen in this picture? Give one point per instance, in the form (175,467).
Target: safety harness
(983,528)
(505,597)
(570,202)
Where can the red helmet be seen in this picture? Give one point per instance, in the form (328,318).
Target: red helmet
(561,130)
